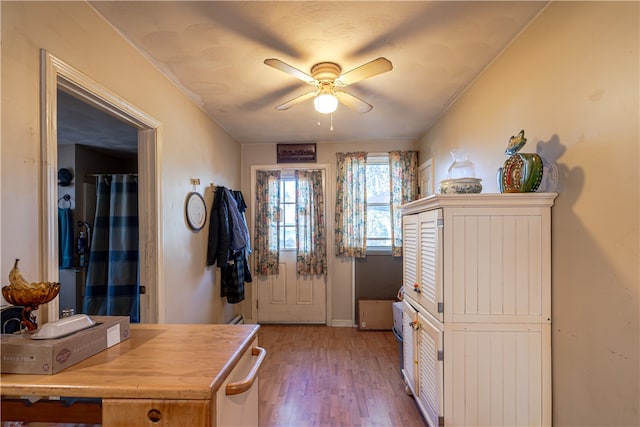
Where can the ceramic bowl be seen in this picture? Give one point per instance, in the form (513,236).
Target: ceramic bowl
(460,186)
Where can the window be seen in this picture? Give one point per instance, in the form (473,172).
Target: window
(287,211)
(371,188)
(378,202)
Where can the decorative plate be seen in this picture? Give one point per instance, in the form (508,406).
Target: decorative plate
(196,211)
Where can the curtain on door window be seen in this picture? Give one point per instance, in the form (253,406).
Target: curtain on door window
(403,170)
(267,244)
(351,213)
(311,244)
(113,281)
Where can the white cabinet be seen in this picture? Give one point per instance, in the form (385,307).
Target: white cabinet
(477,312)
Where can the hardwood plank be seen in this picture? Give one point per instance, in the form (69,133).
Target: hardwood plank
(324,376)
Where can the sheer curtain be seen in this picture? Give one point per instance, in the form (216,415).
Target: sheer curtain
(351,212)
(403,171)
(267,244)
(311,243)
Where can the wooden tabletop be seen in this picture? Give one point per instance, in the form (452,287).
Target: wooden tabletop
(156,362)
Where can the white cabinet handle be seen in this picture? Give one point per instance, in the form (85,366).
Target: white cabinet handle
(245,384)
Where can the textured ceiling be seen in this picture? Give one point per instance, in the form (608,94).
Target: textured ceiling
(214,51)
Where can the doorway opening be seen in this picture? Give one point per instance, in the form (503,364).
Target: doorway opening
(58,76)
(96,150)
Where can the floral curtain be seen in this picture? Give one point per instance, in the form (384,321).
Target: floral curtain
(311,250)
(351,212)
(267,244)
(403,170)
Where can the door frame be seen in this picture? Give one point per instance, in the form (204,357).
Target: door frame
(326,168)
(54,74)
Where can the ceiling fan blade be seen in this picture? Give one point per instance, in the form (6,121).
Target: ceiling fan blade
(370,69)
(282,66)
(353,102)
(296,100)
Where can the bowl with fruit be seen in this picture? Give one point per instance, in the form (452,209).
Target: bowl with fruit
(28,295)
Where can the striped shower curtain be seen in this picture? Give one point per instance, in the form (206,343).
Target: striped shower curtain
(113,280)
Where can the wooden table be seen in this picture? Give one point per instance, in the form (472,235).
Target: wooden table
(161,375)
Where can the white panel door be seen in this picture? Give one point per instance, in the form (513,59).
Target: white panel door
(425,179)
(289,297)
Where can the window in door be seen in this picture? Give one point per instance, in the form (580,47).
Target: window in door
(287,212)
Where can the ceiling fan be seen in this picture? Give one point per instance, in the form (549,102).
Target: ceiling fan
(326,77)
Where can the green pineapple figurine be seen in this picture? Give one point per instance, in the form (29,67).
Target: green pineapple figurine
(521,172)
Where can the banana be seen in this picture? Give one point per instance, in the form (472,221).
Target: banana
(40,285)
(16,279)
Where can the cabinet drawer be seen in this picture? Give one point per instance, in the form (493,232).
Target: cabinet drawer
(162,413)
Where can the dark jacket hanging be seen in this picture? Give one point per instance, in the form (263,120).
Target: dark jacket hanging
(219,242)
(232,278)
(242,207)
(228,243)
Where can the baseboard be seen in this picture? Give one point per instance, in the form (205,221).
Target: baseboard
(333,323)
(342,323)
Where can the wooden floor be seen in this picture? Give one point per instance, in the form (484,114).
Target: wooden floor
(337,377)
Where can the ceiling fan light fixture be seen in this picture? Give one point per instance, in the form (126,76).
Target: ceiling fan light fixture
(325,103)
(326,76)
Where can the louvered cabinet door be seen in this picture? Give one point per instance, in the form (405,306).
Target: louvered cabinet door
(430,370)
(409,350)
(410,258)
(430,227)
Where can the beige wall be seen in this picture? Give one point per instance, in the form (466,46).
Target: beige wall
(340,278)
(571,80)
(192,145)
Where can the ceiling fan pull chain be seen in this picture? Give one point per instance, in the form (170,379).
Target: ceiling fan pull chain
(330,118)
